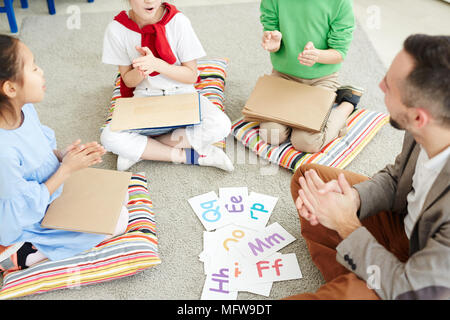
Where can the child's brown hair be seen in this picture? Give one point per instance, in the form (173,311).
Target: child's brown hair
(11,69)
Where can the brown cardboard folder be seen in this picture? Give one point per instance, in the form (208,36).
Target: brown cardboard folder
(288,102)
(156,112)
(91,201)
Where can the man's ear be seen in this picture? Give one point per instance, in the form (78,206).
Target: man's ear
(420,117)
(9,89)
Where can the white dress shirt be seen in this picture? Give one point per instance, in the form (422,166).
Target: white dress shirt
(425,174)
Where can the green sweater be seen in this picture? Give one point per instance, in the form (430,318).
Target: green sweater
(329,24)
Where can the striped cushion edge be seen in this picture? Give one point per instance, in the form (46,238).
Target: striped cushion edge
(362,127)
(115,258)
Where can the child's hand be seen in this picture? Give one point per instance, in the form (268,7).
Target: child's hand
(147,63)
(271,40)
(80,157)
(309,56)
(69,148)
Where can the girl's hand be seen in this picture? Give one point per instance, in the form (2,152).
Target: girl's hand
(79,158)
(70,147)
(310,55)
(271,40)
(146,64)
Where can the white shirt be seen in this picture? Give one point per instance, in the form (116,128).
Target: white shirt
(119,48)
(424,176)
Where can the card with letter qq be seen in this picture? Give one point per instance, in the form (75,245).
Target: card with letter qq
(91,202)
(171,111)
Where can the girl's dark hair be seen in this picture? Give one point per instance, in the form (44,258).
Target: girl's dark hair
(10,69)
(428,84)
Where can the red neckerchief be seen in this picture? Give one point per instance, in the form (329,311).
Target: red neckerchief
(153,36)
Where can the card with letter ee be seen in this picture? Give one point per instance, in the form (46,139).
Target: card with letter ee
(170,111)
(91,202)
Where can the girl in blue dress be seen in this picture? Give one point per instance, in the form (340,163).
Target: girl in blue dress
(32,170)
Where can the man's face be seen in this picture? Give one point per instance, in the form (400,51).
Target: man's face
(392,86)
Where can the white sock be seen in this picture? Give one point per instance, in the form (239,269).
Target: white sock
(215,157)
(124,163)
(34,258)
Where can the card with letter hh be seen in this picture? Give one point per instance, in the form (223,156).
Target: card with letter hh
(208,210)
(217,285)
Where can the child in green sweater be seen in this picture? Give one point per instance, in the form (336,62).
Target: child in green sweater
(307,41)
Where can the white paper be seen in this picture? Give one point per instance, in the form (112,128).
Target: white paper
(260,207)
(275,268)
(234,202)
(265,243)
(239,251)
(216,286)
(222,245)
(208,210)
(241,279)
(263,289)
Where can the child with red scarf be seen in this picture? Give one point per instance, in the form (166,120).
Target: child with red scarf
(156,50)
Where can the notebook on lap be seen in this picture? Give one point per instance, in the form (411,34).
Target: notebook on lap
(288,102)
(156,112)
(91,202)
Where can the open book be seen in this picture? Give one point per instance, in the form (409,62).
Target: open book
(294,104)
(156,112)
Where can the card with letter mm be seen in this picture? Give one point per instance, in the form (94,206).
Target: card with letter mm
(156,112)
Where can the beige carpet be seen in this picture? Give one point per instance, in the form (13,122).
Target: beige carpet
(79,90)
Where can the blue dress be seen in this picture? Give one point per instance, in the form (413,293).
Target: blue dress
(27,161)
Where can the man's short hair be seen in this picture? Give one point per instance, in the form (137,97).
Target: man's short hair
(428,85)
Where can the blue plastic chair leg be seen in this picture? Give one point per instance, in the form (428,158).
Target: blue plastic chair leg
(24,4)
(51,6)
(11,16)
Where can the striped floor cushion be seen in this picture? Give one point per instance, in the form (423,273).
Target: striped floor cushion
(362,127)
(115,258)
(212,77)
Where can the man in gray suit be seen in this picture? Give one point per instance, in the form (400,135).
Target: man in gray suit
(388,236)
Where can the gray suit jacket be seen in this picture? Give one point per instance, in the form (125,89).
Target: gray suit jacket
(426,274)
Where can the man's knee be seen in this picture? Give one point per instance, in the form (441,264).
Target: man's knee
(300,172)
